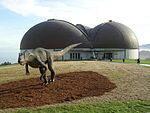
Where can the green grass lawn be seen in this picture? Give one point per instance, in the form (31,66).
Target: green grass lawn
(135,106)
(133,61)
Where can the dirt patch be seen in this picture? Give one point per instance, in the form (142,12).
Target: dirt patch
(67,87)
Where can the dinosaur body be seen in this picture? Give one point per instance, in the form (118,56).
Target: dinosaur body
(42,58)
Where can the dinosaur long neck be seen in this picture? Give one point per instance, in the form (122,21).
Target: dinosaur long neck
(64,51)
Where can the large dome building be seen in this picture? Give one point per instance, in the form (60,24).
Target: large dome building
(107,40)
(53,34)
(115,40)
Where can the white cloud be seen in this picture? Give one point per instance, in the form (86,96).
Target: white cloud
(132,13)
(25,7)
(95,10)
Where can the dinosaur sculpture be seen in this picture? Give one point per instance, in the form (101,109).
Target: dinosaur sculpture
(39,57)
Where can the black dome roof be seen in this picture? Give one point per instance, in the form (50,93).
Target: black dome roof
(59,34)
(113,35)
(85,29)
(53,34)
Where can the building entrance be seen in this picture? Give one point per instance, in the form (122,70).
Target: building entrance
(108,55)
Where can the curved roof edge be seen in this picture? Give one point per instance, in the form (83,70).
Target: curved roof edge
(85,42)
(70,24)
(124,32)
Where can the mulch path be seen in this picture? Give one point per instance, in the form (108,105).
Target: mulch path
(67,87)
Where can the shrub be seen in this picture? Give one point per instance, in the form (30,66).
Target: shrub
(5,63)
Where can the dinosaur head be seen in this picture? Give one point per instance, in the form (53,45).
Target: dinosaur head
(25,57)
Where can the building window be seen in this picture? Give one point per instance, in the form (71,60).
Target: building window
(70,55)
(75,56)
(79,56)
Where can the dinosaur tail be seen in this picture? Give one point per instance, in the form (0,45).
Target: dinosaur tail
(59,54)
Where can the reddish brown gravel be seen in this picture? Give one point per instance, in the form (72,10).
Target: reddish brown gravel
(67,87)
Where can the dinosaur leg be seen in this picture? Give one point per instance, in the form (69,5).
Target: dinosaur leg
(41,71)
(27,69)
(43,74)
(51,68)
(45,79)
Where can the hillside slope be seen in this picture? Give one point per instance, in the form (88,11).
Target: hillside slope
(145,46)
(132,81)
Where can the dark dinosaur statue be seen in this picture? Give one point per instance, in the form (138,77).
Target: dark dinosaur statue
(39,57)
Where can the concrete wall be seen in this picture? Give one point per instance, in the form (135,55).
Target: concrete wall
(132,53)
(119,54)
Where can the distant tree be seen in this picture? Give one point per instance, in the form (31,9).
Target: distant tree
(5,63)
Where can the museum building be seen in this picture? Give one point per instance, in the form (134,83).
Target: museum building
(106,40)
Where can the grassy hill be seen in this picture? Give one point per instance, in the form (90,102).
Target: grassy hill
(132,84)
(145,46)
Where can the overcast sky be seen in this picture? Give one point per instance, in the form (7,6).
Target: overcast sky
(17,16)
